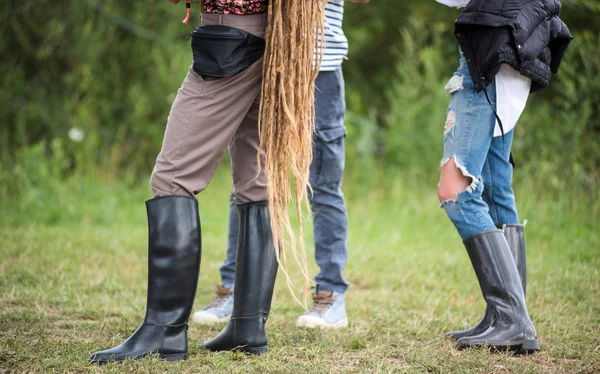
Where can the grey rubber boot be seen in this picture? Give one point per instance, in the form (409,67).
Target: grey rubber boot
(511,327)
(515,236)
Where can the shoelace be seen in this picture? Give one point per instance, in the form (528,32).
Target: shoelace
(323,301)
(223,294)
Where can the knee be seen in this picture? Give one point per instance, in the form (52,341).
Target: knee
(454,179)
(446,192)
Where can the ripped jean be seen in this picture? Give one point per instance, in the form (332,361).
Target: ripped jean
(489,201)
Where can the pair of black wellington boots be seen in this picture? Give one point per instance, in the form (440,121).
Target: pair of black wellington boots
(499,260)
(174,253)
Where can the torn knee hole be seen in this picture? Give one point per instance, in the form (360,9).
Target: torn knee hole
(455,180)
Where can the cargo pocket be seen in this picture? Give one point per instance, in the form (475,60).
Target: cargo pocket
(328,157)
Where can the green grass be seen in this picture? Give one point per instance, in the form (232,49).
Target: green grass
(73,281)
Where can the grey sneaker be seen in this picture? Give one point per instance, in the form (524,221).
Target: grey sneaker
(328,311)
(219,310)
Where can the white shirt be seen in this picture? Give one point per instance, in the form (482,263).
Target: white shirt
(512,88)
(336,44)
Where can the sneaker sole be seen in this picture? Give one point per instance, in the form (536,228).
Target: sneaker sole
(207,319)
(313,322)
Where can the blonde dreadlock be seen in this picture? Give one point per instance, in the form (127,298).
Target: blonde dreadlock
(286,118)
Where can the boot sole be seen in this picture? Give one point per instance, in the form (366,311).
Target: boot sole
(518,347)
(250,351)
(174,357)
(254,351)
(169,358)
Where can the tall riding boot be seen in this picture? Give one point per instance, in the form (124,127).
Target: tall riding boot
(255,274)
(500,284)
(174,252)
(515,236)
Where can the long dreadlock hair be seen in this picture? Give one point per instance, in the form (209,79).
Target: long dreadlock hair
(286,119)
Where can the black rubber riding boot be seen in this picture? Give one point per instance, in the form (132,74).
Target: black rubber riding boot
(515,236)
(174,252)
(511,327)
(255,274)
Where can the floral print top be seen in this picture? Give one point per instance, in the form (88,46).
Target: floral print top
(239,7)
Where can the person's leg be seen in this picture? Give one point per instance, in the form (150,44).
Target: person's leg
(467,138)
(221,307)
(249,179)
(228,267)
(256,264)
(330,217)
(204,118)
(468,141)
(468,132)
(500,196)
(327,169)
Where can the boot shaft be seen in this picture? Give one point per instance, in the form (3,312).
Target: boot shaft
(515,236)
(255,274)
(174,250)
(497,275)
(256,265)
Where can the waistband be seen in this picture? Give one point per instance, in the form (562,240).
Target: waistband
(255,24)
(234,20)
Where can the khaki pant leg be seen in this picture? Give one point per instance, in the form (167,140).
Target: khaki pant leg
(248,184)
(204,118)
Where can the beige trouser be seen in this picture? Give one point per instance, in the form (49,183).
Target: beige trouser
(209,116)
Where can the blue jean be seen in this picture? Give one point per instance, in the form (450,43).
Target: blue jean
(489,201)
(330,217)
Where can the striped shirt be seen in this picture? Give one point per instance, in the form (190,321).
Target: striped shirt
(336,44)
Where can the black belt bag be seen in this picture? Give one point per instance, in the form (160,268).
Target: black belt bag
(222,51)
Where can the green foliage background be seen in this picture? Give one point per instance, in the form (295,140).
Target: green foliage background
(112,69)
(72,223)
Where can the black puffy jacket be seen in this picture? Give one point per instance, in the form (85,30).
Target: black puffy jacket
(526,34)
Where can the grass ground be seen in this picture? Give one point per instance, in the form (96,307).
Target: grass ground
(76,284)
